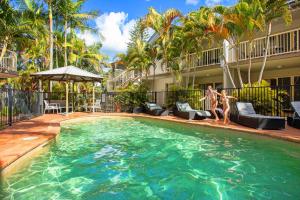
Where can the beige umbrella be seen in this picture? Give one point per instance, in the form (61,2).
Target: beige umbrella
(66,74)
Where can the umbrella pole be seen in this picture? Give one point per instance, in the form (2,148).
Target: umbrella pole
(93,97)
(67,97)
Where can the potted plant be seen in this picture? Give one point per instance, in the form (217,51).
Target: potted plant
(118,99)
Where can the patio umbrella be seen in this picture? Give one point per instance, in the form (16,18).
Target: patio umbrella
(69,73)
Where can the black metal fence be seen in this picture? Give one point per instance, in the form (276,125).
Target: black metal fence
(273,100)
(16,105)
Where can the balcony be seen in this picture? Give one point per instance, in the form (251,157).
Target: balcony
(280,43)
(125,77)
(209,57)
(8,65)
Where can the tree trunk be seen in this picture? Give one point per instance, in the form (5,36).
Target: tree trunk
(65,43)
(154,68)
(238,66)
(50,39)
(194,74)
(51,34)
(4,48)
(250,64)
(266,54)
(229,74)
(188,75)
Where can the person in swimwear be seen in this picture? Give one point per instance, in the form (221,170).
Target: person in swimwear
(226,105)
(212,95)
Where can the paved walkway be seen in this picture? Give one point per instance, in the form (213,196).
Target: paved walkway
(25,136)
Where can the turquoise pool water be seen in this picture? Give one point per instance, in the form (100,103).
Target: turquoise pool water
(142,159)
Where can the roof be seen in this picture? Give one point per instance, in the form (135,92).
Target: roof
(68,73)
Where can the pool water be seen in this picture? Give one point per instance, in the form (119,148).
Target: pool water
(126,158)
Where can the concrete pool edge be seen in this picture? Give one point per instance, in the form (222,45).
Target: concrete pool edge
(29,154)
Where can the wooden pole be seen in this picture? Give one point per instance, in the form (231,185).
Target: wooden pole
(67,97)
(93,97)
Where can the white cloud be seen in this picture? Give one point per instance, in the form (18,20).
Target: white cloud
(192,2)
(211,3)
(88,37)
(115,30)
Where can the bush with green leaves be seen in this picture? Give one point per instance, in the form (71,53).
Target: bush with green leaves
(135,95)
(178,93)
(265,99)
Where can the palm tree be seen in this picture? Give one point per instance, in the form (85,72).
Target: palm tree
(12,26)
(273,9)
(154,53)
(215,25)
(162,25)
(73,18)
(49,3)
(251,20)
(233,21)
(194,39)
(138,58)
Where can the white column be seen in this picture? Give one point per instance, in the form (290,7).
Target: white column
(93,97)
(67,97)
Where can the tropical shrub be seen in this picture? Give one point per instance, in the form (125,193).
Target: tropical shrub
(178,93)
(265,99)
(132,96)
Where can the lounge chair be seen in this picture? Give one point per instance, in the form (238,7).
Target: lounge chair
(185,111)
(96,106)
(51,106)
(247,116)
(295,120)
(156,110)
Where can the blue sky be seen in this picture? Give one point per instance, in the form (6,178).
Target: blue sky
(117,17)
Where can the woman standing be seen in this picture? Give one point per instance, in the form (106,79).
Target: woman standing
(212,95)
(226,105)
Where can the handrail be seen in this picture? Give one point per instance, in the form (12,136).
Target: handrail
(280,43)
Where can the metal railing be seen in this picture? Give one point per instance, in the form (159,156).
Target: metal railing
(209,57)
(274,101)
(280,43)
(126,76)
(16,105)
(8,63)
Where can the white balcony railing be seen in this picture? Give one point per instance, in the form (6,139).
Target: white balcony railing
(125,77)
(209,57)
(8,63)
(280,43)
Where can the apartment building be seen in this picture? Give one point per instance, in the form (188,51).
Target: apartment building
(282,67)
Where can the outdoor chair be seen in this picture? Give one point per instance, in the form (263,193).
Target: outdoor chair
(247,116)
(156,110)
(96,106)
(185,111)
(51,106)
(295,120)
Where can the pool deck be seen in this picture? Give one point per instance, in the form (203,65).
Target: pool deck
(26,136)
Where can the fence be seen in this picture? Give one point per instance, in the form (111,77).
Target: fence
(273,100)
(16,105)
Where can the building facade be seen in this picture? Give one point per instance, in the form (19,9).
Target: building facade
(282,66)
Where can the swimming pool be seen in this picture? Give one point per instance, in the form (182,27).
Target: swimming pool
(136,158)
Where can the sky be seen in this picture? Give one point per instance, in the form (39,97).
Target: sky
(117,18)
